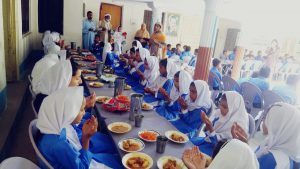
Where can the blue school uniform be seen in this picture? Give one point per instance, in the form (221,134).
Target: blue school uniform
(216,84)
(268,161)
(134,77)
(169,53)
(287,93)
(184,54)
(190,122)
(170,111)
(97,50)
(60,153)
(158,96)
(110,59)
(192,62)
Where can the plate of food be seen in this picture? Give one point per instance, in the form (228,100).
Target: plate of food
(90,78)
(119,127)
(130,145)
(127,87)
(177,136)
(90,58)
(78,59)
(123,99)
(137,160)
(96,84)
(87,71)
(74,53)
(170,162)
(82,65)
(102,99)
(147,107)
(148,135)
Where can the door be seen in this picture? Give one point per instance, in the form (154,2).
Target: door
(115,12)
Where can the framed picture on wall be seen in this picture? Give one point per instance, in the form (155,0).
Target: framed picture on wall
(172,22)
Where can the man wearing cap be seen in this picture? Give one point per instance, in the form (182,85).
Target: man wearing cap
(105,28)
(88,31)
(157,41)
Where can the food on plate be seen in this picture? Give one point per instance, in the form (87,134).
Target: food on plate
(87,71)
(137,163)
(102,99)
(78,59)
(82,64)
(108,75)
(171,164)
(90,58)
(123,98)
(96,84)
(120,128)
(149,135)
(146,106)
(74,53)
(127,87)
(129,145)
(177,137)
(90,78)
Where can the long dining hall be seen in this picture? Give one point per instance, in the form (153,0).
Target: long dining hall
(149,84)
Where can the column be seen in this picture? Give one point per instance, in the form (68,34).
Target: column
(239,55)
(156,15)
(207,40)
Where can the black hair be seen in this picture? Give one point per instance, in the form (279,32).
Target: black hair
(265,72)
(224,51)
(164,62)
(134,43)
(169,45)
(178,44)
(196,50)
(193,84)
(216,62)
(173,50)
(218,147)
(137,50)
(132,50)
(75,66)
(255,74)
(89,12)
(177,74)
(187,48)
(102,44)
(97,36)
(292,79)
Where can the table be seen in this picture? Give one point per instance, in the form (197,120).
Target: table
(151,121)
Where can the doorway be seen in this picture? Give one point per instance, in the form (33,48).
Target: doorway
(115,12)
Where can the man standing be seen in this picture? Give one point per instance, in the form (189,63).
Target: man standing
(88,31)
(105,28)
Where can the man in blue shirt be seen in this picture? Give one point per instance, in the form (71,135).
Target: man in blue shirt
(88,31)
(231,57)
(216,70)
(169,51)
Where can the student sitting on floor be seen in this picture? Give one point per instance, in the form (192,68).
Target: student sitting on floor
(60,143)
(109,58)
(180,90)
(282,145)
(138,69)
(97,47)
(151,72)
(216,71)
(198,101)
(232,110)
(162,85)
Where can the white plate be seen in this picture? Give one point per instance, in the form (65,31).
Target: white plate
(93,78)
(92,84)
(133,140)
(137,154)
(169,133)
(164,159)
(147,109)
(111,125)
(102,97)
(140,132)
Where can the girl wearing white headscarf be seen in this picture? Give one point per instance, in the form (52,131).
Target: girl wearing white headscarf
(151,71)
(232,110)
(197,102)
(60,144)
(108,57)
(282,144)
(138,69)
(50,59)
(171,107)
(162,85)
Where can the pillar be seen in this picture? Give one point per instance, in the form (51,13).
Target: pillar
(239,55)
(207,39)
(156,15)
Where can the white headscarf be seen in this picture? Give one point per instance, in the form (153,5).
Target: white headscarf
(43,65)
(144,53)
(139,45)
(57,77)
(236,113)
(55,36)
(107,49)
(203,96)
(153,72)
(235,155)
(283,124)
(47,38)
(172,68)
(185,80)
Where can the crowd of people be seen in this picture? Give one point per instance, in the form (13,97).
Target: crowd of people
(69,131)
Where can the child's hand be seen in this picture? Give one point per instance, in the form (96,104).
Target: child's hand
(182,103)
(208,123)
(238,133)
(165,94)
(91,100)
(90,127)
(147,90)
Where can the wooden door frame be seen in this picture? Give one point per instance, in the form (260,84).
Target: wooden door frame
(103,3)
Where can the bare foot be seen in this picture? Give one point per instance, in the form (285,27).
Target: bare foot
(199,161)
(187,159)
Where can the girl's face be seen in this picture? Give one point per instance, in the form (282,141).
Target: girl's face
(223,106)
(138,57)
(193,93)
(81,113)
(146,64)
(162,70)
(132,55)
(176,82)
(76,80)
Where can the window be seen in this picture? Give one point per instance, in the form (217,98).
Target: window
(25,16)
(51,15)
